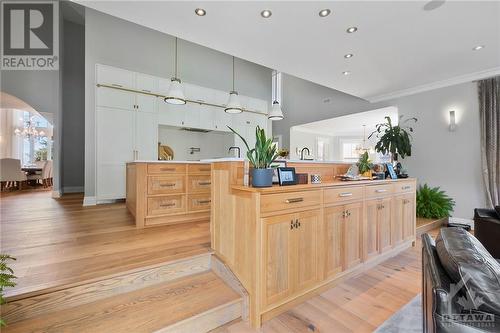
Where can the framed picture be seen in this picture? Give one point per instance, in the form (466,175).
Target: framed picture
(286,176)
(390,169)
(277,164)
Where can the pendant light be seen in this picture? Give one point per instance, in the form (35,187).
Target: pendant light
(175,93)
(233,104)
(362,149)
(276,113)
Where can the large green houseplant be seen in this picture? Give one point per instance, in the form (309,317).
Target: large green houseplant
(394,139)
(433,203)
(6,278)
(261,157)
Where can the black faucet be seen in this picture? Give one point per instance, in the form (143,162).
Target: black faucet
(235,147)
(302,152)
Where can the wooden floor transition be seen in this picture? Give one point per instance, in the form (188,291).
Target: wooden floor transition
(58,242)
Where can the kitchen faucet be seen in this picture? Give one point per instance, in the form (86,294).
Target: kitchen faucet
(302,153)
(237,148)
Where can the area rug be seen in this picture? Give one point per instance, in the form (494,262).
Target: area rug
(408,319)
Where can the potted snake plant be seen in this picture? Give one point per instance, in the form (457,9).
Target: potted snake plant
(261,157)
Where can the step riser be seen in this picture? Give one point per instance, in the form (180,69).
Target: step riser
(208,320)
(42,304)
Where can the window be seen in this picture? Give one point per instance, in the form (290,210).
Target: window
(349,149)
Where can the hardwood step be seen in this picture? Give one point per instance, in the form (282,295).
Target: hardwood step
(196,303)
(93,290)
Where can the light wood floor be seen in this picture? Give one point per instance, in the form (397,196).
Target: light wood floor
(60,242)
(359,304)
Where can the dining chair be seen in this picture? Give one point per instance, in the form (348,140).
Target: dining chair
(11,174)
(38,175)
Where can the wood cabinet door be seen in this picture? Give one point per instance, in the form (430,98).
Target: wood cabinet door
(408,216)
(384,225)
(277,256)
(353,234)
(305,247)
(397,220)
(333,236)
(371,228)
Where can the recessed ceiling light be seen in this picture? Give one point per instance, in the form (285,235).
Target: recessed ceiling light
(479,47)
(433,4)
(200,12)
(349,55)
(324,12)
(346,73)
(352,29)
(266,13)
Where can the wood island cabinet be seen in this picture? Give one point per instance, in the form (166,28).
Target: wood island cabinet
(285,244)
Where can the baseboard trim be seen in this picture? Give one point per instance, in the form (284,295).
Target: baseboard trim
(89,201)
(72,189)
(56,194)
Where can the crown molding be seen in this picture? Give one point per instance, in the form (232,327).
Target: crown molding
(436,85)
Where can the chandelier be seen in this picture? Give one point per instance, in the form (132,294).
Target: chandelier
(29,130)
(363,149)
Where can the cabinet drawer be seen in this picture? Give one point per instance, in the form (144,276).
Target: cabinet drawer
(333,195)
(281,201)
(171,204)
(199,184)
(199,169)
(166,168)
(199,202)
(378,191)
(166,184)
(401,187)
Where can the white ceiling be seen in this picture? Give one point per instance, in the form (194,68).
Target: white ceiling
(351,124)
(399,47)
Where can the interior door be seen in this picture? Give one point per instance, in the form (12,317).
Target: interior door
(409,217)
(371,248)
(397,220)
(277,232)
(305,245)
(115,137)
(384,225)
(333,240)
(353,234)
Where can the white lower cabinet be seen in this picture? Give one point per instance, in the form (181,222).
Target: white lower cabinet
(121,137)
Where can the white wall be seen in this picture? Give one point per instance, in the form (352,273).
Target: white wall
(116,42)
(300,139)
(211,144)
(450,160)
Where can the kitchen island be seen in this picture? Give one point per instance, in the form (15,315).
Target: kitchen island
(286,244)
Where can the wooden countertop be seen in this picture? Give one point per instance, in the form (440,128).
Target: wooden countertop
(306,187)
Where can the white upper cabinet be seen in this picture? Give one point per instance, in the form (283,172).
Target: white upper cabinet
(147,84)
(113,76)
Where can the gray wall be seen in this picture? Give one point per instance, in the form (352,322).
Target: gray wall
(450,160)
(73,103)
(303,102)
(116,42)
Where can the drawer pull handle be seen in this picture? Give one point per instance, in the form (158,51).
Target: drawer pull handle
(201,202)
(381,191)
(167,169)
(167,185)
(293,200)
(206,169)
(116,85)
(345,194)
(204,183)
(167,205)
(406,187)
(145,90)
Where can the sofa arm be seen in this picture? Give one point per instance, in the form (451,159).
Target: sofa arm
(487,230)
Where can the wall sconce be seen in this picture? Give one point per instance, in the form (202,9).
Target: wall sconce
(453,124)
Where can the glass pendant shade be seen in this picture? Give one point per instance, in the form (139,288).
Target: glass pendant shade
(175,93)
(276,113)
(233,104)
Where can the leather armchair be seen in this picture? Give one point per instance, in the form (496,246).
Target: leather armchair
(487,230)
